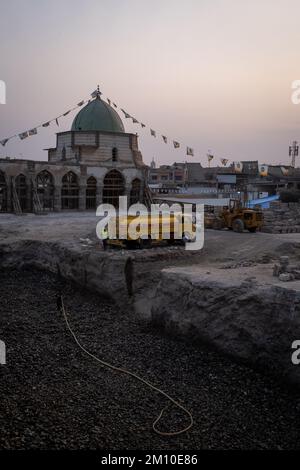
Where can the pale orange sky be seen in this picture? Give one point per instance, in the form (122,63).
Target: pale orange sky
(212,74)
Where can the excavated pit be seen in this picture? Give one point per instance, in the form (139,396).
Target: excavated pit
(243,311)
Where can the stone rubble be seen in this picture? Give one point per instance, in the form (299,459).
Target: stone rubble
(282,217)
(286,271)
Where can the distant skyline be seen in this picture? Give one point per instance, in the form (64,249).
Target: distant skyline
(212,74)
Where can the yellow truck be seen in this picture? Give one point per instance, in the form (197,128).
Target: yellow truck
(235,217)
(143,231)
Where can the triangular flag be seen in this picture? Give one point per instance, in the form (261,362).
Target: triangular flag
(95,93)
(143,125)
(4,142)
(65,114)
(176,144)
(190,151)
(23,135)
(115,105)
(165,139)
(33,131)
(125,113)
(80,103)
(56,120)
(152,132)
(109,102)
(46,124)
(134,120)
(224,161)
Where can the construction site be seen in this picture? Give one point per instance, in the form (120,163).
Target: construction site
(149,284)
(214,327)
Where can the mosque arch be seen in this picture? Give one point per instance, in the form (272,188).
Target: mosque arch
(45,189)
(3,192)
(113,187)
(70,191)
(21,190)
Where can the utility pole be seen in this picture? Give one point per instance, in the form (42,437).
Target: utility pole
(294,152)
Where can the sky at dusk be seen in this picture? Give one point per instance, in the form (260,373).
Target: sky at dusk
(212,74)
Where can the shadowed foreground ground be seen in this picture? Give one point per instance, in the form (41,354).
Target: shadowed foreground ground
(52,396)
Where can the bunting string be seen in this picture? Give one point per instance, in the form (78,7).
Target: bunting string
(33,131)
(175,143)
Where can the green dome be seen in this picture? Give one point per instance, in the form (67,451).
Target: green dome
(98,116)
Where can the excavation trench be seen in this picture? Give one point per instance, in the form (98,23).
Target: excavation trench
(243,312)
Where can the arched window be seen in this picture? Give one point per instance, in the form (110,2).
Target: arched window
(21,190)
(135,191)
(91,189)
(3,192)
(70,191)
(45,189)
(113,187)
(115,154)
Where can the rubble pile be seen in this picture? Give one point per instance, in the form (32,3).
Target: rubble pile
(282,217)
(286,271)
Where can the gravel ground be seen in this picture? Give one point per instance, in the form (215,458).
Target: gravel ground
(54,397)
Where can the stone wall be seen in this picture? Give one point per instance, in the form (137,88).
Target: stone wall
(282,218)
(254,322)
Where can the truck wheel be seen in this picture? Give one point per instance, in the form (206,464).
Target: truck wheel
(238,225)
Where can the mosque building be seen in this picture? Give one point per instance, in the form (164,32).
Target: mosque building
(96,161)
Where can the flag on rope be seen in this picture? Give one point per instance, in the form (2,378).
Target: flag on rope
(165,139)
(46,124)
(152,132)
(115,105)
(80,103)
(190,151)
(109,101)
(224,161)
(23,135)
(32,131)
(65,114)
(4,142)
(176,144)
(125,114)
(143,125)
(56,120)
(135,121)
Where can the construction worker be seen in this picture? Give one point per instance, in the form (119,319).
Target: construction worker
(104,236)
